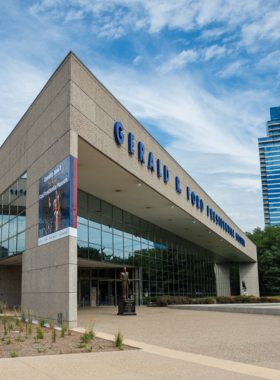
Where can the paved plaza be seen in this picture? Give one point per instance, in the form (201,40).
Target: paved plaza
(174,344)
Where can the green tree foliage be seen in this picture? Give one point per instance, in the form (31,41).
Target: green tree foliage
(268,249)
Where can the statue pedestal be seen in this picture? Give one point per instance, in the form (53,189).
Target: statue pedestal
(126,307)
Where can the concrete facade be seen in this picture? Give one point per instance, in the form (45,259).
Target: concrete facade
(73,109)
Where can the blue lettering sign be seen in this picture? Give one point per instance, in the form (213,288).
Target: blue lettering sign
(131,143)
(197,202)
(119,136)
(193,197)
(151,164)
(188,193)
(177,184)
(159,173)
(165,173)
(141,152)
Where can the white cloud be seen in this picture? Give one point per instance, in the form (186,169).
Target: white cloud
(180,60)
(138,59)
(270,62)
(266,28)
(211,34)
(19,87)
(214,51)
(232,69)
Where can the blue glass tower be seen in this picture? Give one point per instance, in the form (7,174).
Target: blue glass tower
(269,149)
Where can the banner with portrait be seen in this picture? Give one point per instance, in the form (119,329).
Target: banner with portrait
(58,202)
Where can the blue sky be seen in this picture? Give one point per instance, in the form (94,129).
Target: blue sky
(199,75)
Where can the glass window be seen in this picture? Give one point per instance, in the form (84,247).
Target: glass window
(118,242)
(94,252)
(107,224)
(127,245)
(94,236)
(82,199)
(13,209)
(107,254)
(82,249)
(117,214)
(118,228)
(127,232)
(107,240)
(118,256)
(12,246)
(107,209)
(136,222)
(82,232)
(127,218)
(5,231)
(5,246)
(21,222)
(136,247)
(21,243)
(94,220)
(13,227)
(82,216)
(94,204)
(6,215)
(136,235)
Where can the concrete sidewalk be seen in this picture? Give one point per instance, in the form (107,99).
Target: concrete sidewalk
(175,344)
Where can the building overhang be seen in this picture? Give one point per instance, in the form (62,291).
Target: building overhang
(105,179)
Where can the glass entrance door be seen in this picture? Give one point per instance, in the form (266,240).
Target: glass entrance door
(85,293)
(106,293)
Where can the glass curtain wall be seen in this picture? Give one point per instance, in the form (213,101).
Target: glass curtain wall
(168,264)
(13,218)
(269,150)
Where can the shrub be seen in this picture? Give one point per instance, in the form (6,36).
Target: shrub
(209,301)
(22,316)
(264,299)
(42,322)
(119,340)
(30,311)
(177,301)
(223,300)
(11,326)
(162,302)
(87,336)
(63,330)
(187,300)
(170,301)
(29,329)
(40,334)
(13,354)
(54,335)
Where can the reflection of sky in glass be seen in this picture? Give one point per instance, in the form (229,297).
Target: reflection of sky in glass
(94,236)
(127,245)
(107,240)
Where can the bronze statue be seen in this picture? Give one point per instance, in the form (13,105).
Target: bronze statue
(125,283)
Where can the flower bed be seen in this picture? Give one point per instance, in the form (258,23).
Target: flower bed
(18,338)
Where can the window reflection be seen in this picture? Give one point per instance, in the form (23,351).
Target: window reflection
(12,218)
(170,265)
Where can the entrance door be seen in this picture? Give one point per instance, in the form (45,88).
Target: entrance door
(85,293)
(106,293)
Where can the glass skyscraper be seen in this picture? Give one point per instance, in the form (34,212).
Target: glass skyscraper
(269,149)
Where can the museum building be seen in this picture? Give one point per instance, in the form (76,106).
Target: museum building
(85,190)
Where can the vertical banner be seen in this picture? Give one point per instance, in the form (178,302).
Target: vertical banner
(58,202)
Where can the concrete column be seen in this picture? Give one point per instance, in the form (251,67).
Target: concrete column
(222,273)
(248,272)
(10,285)
(49,271)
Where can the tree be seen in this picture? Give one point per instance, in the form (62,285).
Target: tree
(268,250)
